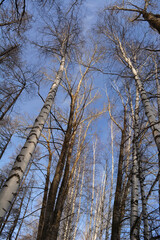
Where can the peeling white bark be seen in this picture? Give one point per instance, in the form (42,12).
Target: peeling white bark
(11,185)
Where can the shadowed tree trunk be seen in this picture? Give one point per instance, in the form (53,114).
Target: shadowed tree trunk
(44,202)
(116,221)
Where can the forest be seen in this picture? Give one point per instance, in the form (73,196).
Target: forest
(80,120)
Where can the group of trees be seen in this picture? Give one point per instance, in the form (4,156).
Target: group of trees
(65,181)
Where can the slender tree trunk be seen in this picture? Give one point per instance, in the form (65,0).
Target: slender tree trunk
(155,126)
(8,214)
(9,190)
(92,200)
(53,228)
(135,182)
(111,188)
(116,221)
(58,174)
(69,211)
(96,216)
(17,217)
(73,193)
(6,145)
(73,199)
(42,215)
(144,203)
(29,197)
(102,221)
(158,103)
(12,103)
(79,205)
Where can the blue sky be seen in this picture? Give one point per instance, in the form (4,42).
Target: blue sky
(32,103)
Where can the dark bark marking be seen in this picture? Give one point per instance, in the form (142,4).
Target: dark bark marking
(18,168)
(14,194)
(32,133)
(14,175)
(18,159)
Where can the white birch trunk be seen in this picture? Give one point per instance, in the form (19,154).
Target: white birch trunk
(102,223)
(93,179)
(98,226)
(147,106)
(135,181)
(9,190)
(73,194)
(70,195)
(111,188)
(144,204)
(158,103)
(79,205)
(96,216)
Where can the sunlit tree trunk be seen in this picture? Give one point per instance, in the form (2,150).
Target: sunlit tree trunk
(53,228)
(9,189)
(21,186)
(92,199)
(135,178)
(25,211)
(145,100)
(17,217)
(79,205)
(70,206)
(44,202)
(144,203)
(102,210)
(111,187)
(51,201)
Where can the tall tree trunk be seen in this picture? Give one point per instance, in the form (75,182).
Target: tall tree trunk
(12,103)
(155,126)
(20,226)
(116,221)
(102,220)
(9,190)
(144,202)
(111,187)
(44,202)
(79,205)
(17,217)
(93,189)
(8,214)
(6,145)
(135,182)
(51,202)
(53,225)
(158,103)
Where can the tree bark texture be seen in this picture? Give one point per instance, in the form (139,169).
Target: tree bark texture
(116,221)
(58,174)
(9,189)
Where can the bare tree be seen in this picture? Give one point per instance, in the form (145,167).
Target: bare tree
(66,36)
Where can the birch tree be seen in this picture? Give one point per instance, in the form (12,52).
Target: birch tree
(152,18)
(78,105)
(66,36)
(138,70)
